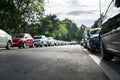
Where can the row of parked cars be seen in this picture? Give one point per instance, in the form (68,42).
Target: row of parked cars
(107,38)
(24,40)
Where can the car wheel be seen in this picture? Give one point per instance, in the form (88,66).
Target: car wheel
(92,49)
(9,45)
(46,45)
(105,54)
(36,46)
(24,45)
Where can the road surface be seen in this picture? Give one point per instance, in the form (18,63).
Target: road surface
(49,63)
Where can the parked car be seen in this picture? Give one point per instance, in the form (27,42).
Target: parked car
(23,40)
(110,32)
(56,42)
(93,39)
(40,41)
(82,42)
(73,42)
(85,42)
(5,40)
(50,41)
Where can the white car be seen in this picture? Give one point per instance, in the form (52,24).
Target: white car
(73,42)
(5,40)
(51,41)
(40,41)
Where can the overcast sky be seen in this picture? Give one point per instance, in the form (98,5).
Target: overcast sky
(79,11)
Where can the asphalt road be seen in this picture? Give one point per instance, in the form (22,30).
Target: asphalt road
(49,63)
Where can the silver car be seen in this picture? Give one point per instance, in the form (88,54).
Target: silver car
(51,41)
(40,41)
(5,40)
(110,32)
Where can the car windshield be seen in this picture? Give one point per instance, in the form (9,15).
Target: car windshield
(38,37)
(94,32)
(18,36)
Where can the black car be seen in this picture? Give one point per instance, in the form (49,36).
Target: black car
(110,32)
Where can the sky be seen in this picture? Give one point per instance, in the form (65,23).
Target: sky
(79,11)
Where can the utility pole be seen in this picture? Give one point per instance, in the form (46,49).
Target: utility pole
(100,19)
(100,7)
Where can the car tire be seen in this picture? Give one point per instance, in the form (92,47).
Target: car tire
(92,50)
(105,54)
(41,45)
(46,45)
(36,46)
(9,45)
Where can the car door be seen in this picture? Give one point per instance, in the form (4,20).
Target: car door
(114,35)
(104,34)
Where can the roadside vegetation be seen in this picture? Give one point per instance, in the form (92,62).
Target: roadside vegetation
(19,16)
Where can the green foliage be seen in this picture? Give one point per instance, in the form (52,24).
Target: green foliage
(82,32)
(62,32)
(95,25)
(14,13)
(72,29)
(17,16)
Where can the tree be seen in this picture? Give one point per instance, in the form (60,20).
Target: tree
(72,29)
(14,13)
(82,32)
(62,32)
(50,24)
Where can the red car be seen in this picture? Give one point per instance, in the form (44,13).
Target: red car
(23,40)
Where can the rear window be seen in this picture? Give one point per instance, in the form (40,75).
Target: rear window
(18,36)
(37,37)
(94,32)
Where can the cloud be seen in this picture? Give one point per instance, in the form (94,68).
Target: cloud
(80,11)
